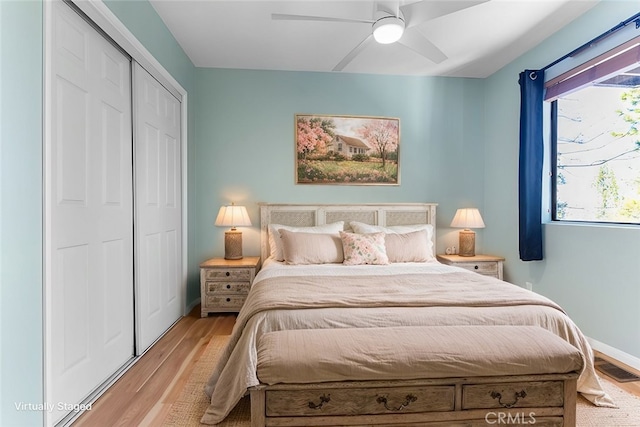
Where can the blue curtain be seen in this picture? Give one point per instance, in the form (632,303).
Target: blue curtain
(531,157)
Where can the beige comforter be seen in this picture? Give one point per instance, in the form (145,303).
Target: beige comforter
(430,294)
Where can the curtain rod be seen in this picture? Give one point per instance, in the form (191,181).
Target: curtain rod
(635,18)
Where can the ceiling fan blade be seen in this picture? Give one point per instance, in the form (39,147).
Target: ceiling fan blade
(415,41)
(287,17)
(355,52)
(422,11)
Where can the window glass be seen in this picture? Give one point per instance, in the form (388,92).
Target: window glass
(597,151)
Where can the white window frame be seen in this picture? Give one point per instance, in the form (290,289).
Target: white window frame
(618,39)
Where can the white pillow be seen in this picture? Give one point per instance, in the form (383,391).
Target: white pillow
(275,244)
(311,248)
(408,247)
(362,228)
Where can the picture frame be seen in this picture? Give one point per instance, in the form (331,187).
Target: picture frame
(347,150)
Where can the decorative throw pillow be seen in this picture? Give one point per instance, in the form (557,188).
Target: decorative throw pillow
(363,248)
(408,247)
(362,228)
(311,248)
(275,245)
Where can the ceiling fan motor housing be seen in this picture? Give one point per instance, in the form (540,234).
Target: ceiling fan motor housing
(388,29)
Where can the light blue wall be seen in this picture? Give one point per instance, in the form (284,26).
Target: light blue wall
(245,142)
(21,193)
(20,210)
(593,272)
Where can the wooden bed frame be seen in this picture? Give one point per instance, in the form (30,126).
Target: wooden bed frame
(468,401)
(302,215)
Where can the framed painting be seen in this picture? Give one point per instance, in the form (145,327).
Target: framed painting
(347,150)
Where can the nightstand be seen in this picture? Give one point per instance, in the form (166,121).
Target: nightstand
(487,265)
(225,283)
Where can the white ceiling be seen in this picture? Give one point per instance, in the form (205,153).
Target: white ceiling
(241,34)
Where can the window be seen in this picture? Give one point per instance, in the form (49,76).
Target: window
(596,139)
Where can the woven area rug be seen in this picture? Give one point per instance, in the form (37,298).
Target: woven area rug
(192,402)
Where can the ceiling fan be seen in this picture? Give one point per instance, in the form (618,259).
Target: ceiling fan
(393,22)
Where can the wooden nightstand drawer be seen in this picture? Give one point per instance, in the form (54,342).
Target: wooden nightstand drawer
(228,274)
(486,268)
(228,287)
(487,265)
(226,302)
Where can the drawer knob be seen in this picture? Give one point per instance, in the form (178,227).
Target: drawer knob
(475,267)
(228,299)
(323,399)
(228,286)
(408,400)
(227,274)
(517,395)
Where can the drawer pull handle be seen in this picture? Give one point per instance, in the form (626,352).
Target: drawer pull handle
(227,274)
(475,267)
(408,400)
(323,399)
(517,395)
(228,299)
(228,286)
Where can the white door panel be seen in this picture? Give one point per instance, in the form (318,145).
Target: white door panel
(89,202)
(158,208)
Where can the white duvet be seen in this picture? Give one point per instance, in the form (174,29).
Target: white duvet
(429,294)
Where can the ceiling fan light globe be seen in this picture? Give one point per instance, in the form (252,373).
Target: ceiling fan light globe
(388,30)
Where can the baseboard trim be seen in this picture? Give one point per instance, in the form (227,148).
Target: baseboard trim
(614,353)
(193,304)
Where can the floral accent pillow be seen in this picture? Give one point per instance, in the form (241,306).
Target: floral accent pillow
(364,248)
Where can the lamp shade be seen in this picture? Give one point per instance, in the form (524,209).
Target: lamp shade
(233,216)
(388,29)
(467,218)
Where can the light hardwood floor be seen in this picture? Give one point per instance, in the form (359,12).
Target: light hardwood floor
(143,396)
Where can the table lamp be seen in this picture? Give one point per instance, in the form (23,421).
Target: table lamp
(233,216)
(467,219)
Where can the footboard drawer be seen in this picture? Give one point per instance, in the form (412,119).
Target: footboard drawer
(356,401)
(513,395)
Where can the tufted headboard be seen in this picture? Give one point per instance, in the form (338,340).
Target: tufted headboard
(299,215)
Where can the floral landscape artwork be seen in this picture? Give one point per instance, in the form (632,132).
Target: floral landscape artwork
(351,150)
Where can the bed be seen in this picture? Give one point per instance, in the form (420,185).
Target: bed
(410,289)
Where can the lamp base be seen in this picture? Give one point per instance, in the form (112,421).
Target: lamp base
(233,244)
(467,243)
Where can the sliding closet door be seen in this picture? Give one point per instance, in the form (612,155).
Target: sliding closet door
(89,211)
(158,208)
